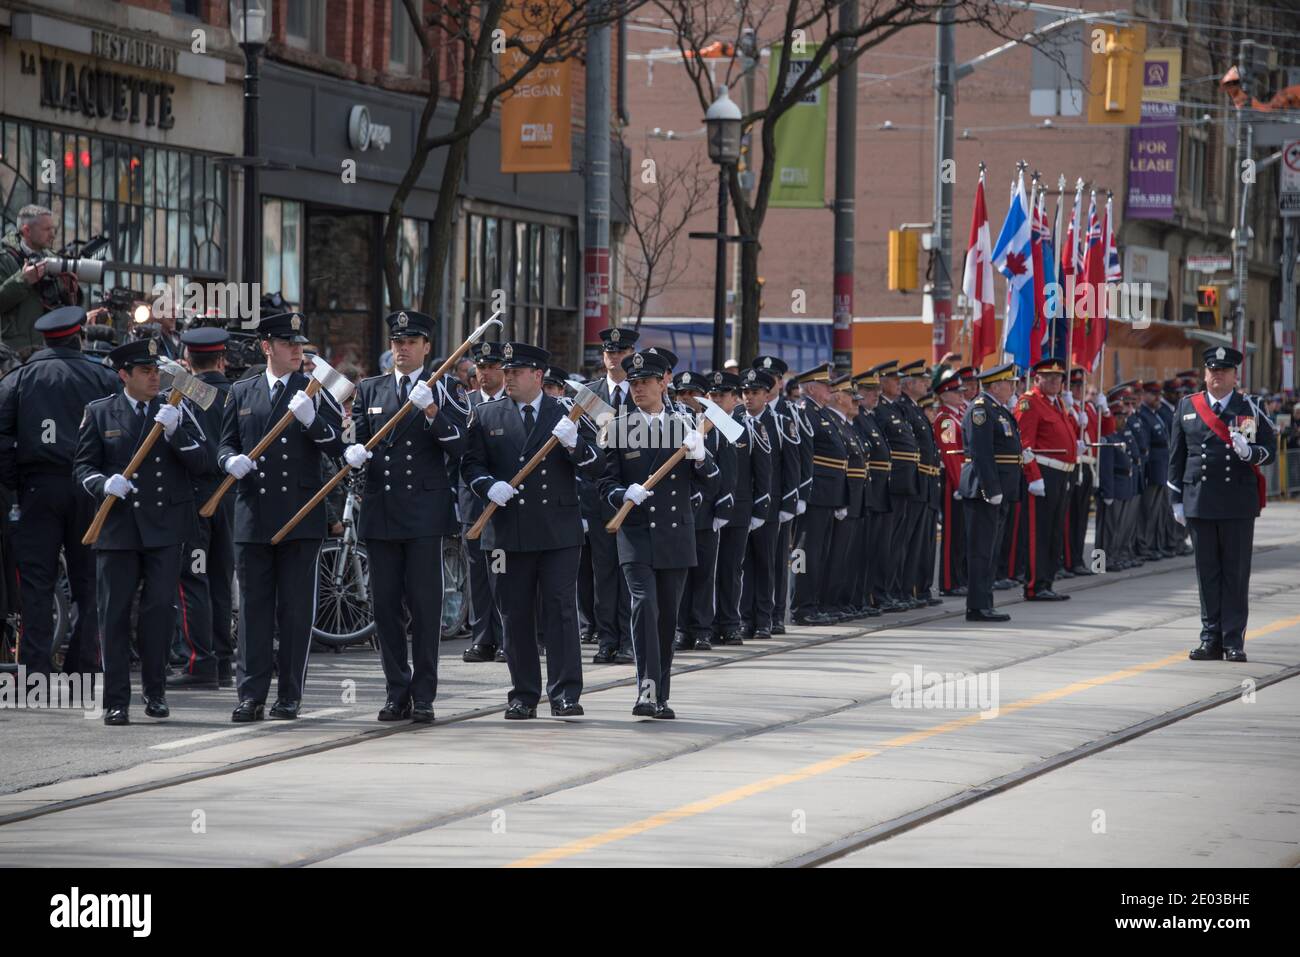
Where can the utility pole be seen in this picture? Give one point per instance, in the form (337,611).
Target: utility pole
(1241,193)
(945,86)
(846,158)
(595,259)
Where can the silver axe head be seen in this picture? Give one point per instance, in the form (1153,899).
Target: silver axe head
(331,380)
(731,429)
(173,375)
(478,333)
(591,404)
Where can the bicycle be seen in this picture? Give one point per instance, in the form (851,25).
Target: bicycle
(65,619)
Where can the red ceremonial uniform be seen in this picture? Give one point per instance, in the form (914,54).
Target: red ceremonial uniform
(1046,430)
(948,438)
(1044,425)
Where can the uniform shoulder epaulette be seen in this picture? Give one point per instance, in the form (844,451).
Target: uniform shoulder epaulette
(979,400)
(1024,403)
(107,398)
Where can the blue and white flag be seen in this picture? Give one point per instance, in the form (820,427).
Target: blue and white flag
(1013,257)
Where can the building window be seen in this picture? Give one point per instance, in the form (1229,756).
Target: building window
(304,25)
(163,210)
(188,8)
(404,52)
(282,238)
(412,263)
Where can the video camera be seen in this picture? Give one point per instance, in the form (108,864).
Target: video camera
(75,259)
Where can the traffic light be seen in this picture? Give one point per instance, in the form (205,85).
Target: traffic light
(1115,80)
(1207,307)
(904,251)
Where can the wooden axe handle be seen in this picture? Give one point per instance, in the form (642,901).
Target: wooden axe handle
(210,506)
(106,506)
(476,529)
(613,524)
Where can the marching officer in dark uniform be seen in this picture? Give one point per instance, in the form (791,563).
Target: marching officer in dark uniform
(1155,508)
(41,405)
(142,537)
(872,581)
(1117,464)
(1220,439)
(736,465)
(484,617)
(907,493)
(656,542)
(702,591)
(758,581)
(611,600)
(949,443)
(408,511)
(208,560)
(782,425)
(990,483)
(827,500)
(277,583)
(537,527)
(847,533)
(920,553)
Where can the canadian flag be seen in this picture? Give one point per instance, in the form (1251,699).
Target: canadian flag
(977,282)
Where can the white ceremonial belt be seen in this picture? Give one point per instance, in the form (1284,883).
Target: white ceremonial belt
(1087,459)
(1052,463)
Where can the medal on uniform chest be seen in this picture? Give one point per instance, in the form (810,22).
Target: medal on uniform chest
(1245,425)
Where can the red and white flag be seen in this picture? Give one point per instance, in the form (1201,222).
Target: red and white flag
(977,282)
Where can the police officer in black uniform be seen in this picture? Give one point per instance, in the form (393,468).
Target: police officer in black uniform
(142,537)
(1220,439)
(408,511)
(990,484)
(484,618)
(277,583)
(908,492)
(921,548)
(537,527)
(738,478)
(656,542)
(779,420)
(208,560)
(872,586)
(41,404)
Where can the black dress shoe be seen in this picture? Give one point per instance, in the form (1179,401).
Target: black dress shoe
(588,638)
(113,716)
(479,653)
(890,607)
(703,644)
(501,655)
(624,658)
(683,643)
(870,611)
(1206,652)
(934,601)
(986,614)
(566,709)
(194,682)
(422,712)
(1065,573)
(644,709)
(285,710)
(958,592)
(604,656)
(518,711)
(761,635)
(248,710)
(1047,595)
(664,712)
(157,708)
(733,638)
(1002,584)
(393,710)
(778,629)
(226,674)
(813,618)
(1080,570)
(1236,655)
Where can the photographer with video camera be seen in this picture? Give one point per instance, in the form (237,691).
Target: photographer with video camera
(34,280)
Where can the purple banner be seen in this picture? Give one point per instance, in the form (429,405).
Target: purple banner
(1153,163)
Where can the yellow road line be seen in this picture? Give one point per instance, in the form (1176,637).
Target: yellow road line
(763,785)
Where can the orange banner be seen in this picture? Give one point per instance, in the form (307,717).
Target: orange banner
(537,115)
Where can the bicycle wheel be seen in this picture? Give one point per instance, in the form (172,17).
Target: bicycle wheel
(455,594)
(344,614)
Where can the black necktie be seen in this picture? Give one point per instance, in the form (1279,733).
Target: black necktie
(406,389)
(528,419)
(141,411)
(275,391)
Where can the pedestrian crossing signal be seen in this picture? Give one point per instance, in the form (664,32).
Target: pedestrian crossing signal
(904,252)
(1207,307)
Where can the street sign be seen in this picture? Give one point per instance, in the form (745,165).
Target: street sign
(1290,186)
(1212,263)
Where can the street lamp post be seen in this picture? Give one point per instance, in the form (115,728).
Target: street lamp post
(250,22)
(723,122)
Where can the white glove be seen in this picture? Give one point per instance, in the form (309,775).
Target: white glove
(1240,446)
(501,492)
(584,526)
(302,407)
(956,496)
(1179,515)
(718,523)
(355,455)
(1067,397)
(1081,447)
(784,517)
(1109,502)
(1036,487)
(239,466)
(566,430)
(119,486)
(996,499)
(694,443)
(801,507)
(1027,456)
(170,417)
(841,514)
(755,523)
(636,494)
(421,396)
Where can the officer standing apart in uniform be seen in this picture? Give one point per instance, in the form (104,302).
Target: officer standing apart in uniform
(1220,439)
(537,528)
(656,542)
(41,404)
(783,428)
(408,512)
(208,560)
(990,484)
(142,537)
(484,618)
(1051,447)
(277,583)
(1155,497)
(948,442)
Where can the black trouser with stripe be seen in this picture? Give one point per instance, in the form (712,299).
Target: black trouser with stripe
(758,584)
(1076,520)
(1223,553)
(206,599)
(918,518)
(697,611)
(1044,517)
(929,549)
(845,536)
(484,618)
(815,543)
(952,551)
(399,575)
(732,544)
(538,589)
(119,574)
(612,601)
(277,601)
(781,607)
(655,595)
(883,570)
(984,523)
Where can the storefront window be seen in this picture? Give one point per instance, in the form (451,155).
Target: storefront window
(413,262)
(163,210)
(282,249)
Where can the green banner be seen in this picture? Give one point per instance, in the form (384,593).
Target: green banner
(800,179)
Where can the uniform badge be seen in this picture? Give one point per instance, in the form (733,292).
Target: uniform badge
(402,320)
(508,351)
(1246,426)
(112,433)
(1006,426)
(978,416)
(295,323)
(1024,405)
(767,362)
(638,360)
(686,378)
(1220,353)
(614,335)
(153,347)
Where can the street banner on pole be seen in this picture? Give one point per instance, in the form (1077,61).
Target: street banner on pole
(1153,146)
(800,134)
(1290,185)
(536,116)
